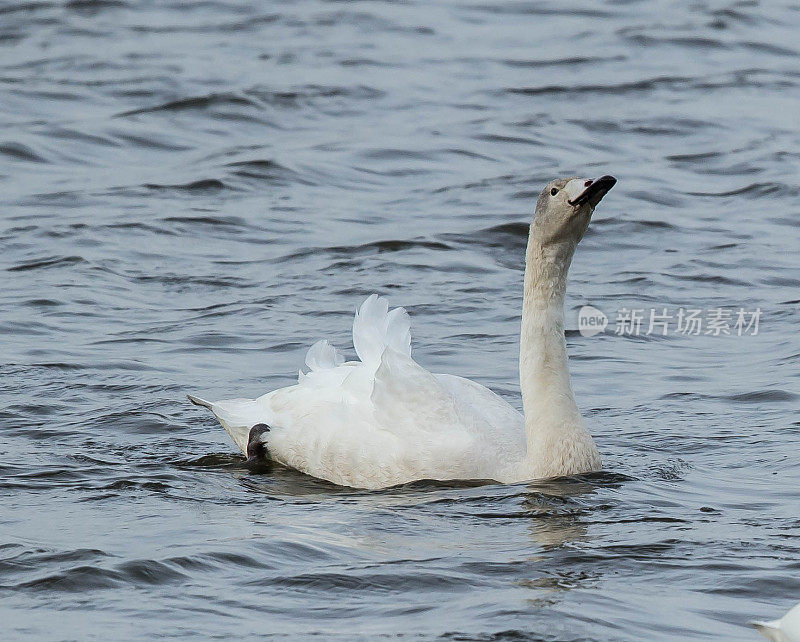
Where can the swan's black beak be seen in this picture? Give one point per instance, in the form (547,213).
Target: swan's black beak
(595,191)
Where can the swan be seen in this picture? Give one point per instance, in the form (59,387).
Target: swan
(786,629)
(385,420)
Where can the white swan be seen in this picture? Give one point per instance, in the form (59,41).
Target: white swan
(385,420)
(786,629)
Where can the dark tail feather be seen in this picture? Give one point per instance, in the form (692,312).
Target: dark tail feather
(256,448)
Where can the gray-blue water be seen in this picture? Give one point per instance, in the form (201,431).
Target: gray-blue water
(191,193)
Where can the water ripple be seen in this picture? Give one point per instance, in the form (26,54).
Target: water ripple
(193,193)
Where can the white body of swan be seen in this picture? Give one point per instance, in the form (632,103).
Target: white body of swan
(385,420)
(787,629)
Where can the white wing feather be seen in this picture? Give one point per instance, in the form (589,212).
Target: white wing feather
(322,355)
(376,328)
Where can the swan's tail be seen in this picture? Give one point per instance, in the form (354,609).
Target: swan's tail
(770,630)
(197,401)
(237,416)
(376,328)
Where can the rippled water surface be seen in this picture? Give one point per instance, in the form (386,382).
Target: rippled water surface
(192,193)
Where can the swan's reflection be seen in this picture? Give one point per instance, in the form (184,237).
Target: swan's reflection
(555,511)
(559,512)
(536,531)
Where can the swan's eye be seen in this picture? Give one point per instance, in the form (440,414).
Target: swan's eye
(553,191)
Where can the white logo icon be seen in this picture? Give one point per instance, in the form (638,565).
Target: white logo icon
(591,321)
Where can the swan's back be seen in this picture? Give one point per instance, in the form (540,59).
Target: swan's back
(381,420)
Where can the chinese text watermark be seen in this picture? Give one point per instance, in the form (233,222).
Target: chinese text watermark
(663,321)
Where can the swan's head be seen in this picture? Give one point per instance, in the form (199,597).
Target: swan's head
(565,207)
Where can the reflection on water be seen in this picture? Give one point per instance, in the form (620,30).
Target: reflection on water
(555,513)
(559,515)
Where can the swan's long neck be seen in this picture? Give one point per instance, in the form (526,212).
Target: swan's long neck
(547,398)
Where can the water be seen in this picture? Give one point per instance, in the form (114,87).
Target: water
(192,193)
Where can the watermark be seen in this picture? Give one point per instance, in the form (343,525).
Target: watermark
(591,321)
(663,321)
